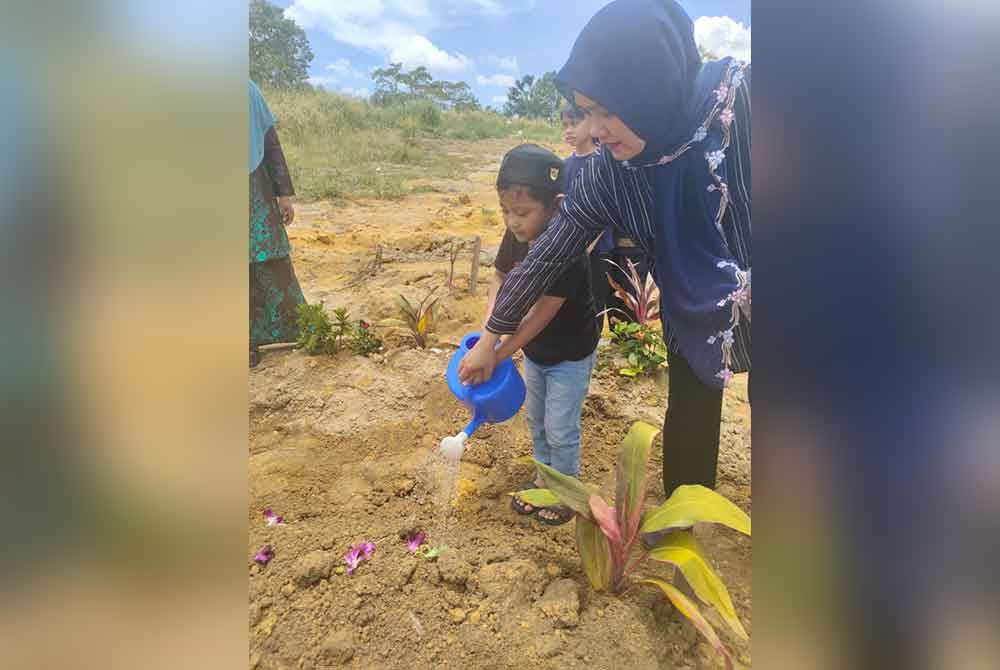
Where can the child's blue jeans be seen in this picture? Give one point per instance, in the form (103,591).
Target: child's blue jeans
(553,406)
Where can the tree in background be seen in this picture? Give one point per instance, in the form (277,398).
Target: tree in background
(533,98)
(279,49)
(395,85)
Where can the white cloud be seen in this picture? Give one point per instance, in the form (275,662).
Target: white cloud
(508,63)
(413,8)
(498,80)
(356,92)
(722,36)
(342,67)
(415,50)
(323,80)
(395,29)
(489,6)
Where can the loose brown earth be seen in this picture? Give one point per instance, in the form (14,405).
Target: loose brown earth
(342,448)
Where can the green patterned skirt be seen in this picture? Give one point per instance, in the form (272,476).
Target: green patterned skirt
(274,298)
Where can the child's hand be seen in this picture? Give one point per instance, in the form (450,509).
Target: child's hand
(477,365)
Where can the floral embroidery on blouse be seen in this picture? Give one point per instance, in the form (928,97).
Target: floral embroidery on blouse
(739,303)
(722,111)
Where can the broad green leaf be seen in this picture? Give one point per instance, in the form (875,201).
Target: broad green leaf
(570,491)
(682,549)
(605,517)
(629,372)
(632,462)
(537,497)
(595,553)
(686,607)
(691,504)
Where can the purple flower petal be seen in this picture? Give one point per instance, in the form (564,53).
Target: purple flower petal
(273,519)
(264,556)
(368,548)
(413,544)
(353,559)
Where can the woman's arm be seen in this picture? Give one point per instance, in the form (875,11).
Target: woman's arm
(588,209)
(277,168)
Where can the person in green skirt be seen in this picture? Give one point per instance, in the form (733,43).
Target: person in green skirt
(274,290)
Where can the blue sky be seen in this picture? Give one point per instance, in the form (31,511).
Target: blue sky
(483,42)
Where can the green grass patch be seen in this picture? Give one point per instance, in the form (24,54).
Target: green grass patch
(340,147)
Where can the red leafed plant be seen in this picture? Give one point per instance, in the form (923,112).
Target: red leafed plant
(642,297)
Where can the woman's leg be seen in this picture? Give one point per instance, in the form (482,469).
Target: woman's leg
(274,299)
(691,428)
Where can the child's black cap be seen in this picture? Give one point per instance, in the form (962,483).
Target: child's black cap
(531,165)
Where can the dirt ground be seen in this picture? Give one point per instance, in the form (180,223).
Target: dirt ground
(342,447)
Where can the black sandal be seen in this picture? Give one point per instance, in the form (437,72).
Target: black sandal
(519,505)
(562,513)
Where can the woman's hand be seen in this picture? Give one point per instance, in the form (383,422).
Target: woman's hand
(287,210)
(477,365)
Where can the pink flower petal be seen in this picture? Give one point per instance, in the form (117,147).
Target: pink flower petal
(264,556)
(413,544)
(273,519)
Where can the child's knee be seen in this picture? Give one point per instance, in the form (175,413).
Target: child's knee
(563,434)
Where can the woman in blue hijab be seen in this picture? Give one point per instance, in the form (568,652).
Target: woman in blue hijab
(673,174)
(274,290)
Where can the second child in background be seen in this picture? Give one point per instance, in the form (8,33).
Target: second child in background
(576,133)
(559,334)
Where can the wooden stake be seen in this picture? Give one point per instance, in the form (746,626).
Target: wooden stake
(474,275)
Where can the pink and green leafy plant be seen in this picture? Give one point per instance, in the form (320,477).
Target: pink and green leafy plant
(642,297)
(418,319)
(416,545)
(615,541)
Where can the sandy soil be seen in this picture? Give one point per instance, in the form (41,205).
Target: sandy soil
(342,447)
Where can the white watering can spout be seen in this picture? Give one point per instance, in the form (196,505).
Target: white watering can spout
(453,446)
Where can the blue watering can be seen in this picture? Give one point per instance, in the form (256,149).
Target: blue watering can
(494,401)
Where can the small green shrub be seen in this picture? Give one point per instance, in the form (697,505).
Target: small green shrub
(642,345)
(319,335)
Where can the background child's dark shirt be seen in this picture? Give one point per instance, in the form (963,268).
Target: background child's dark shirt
(572,334)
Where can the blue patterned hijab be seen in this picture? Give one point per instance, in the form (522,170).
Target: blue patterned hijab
(261,121)
(639,60)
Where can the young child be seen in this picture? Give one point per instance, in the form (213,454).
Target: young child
(576,133)
(559,334)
